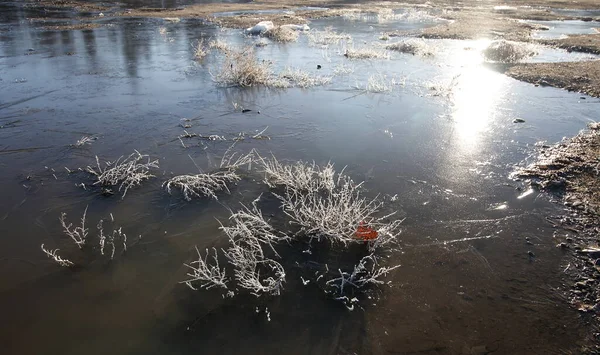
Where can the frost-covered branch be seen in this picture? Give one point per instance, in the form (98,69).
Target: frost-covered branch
(52,254)
(111,239)
(366,272)
(208,275)
(253,271)
(78,234)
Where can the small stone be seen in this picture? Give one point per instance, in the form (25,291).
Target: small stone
(319,66)
(597,262)
(518,120)
(531,254)
(562,245)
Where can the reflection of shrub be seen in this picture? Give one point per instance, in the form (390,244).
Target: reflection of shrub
(507,52)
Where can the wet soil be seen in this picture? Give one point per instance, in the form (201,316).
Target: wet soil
(569,171)
(577,43)
(582,77)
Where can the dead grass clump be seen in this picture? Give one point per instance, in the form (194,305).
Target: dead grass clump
(209,184)
(201,185)
(327,36)
(282,34)
(299,176)
(342,69)
(365,53)
(326,204)
(200,50)
(507,52)
(242,68)
(411,46)
(125,172)
(379,83)
(302,79)
(219,45)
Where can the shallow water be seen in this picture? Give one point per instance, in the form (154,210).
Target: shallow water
(443,143)
(562,29)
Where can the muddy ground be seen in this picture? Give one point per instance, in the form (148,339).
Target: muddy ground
(569,171)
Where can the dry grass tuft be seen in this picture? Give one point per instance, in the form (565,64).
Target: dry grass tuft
(507,52)
(327,36)
(200,50)
(126,173)
(302,79)
(242,68)
(411,46)
(365,53)
(219,45)
(201,185)
(282,34)
(378,83)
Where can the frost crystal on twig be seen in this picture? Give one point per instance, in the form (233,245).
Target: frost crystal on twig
(201,185)
(366,272)
(252,269)
(208,275)
(208,184)
(85,140)
(52,254)
(125,172)
(78,234)
(111,238)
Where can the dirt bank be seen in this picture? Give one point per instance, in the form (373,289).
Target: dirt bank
(583,77)
(577,43)
(570,171)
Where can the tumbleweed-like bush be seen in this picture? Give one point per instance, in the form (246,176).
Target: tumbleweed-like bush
(282,34)
(411,46)
(321,208)
(242,68)
(507,52)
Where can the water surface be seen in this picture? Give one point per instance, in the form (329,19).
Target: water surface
(438,148)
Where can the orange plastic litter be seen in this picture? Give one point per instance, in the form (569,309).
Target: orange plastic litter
(365,233)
